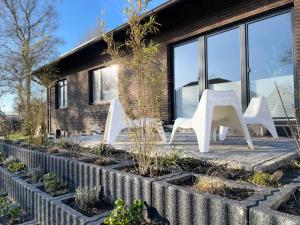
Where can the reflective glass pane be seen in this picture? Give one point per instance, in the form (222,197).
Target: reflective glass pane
(271,60)
(96,85)
(186,76)
(223,61)
(109,77)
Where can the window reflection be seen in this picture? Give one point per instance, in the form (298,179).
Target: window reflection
(223,61)
(186,75)
(271,60)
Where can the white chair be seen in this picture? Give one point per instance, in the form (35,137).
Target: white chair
(117,120)
(215,108)
(257,115)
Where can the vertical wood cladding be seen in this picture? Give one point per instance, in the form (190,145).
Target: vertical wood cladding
(185,22)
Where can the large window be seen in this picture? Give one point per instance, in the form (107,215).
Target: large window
(223,61)
(271,61)
(62,98)
(248,58)
(186,77)
(105,84)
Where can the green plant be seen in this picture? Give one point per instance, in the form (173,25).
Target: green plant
(35,174)
(16,167)
(125,215)
(2,156)
(148,74)
(261,179)
(51,182)
(87,197)
(64,144)
(10,211)
(102,149)
(295,164)
(10,160)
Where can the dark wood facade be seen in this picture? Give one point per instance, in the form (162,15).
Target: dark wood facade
(180,20)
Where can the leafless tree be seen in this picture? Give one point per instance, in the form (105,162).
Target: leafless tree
(26,41)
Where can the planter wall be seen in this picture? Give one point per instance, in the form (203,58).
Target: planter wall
(181,205)
(172,203)
(119,184)
(266,212)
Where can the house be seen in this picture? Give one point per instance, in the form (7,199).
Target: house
(244,45)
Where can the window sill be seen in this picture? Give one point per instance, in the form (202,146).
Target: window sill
(101,103)
(62,108)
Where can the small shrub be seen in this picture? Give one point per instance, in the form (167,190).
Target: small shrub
(102,162)
(125,215)
(64,144)
(210,185)
(295,164)
(86,198)
(261,179)
(53,150)
(2,156)
(10,211)
(16,167)
(10,160)
(102,149)
(51,182)
(35,174)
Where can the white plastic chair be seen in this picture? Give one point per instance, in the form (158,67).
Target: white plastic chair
(117,120)
(215,108)
(257,115)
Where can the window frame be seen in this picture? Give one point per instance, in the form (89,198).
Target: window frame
(244,56)
(92,86)
(62,85)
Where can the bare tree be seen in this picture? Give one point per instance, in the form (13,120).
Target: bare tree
(26,42)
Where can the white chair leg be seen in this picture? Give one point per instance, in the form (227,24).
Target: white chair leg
(238,123)
(223,133)
(161,132)
(175,127)
(271,128)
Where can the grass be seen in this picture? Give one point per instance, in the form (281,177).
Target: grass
(17,136)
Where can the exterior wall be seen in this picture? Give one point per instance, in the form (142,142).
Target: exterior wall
(185,23)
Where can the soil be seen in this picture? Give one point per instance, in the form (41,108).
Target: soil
(153,174)
(227,192)
(72,155)
(100,207)
(100,161)
(289,173)
(221,172)
(292,206)
(62,191)
(120,154)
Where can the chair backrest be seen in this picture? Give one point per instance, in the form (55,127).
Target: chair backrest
(257,105)
(211,98)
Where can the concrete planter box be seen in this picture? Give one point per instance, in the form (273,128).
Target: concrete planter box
(181,205)
(62,214)
(119,184)
(266,212)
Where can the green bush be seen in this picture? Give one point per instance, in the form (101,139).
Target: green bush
(261,179)
(10,160)
(11,212)
(16,167)
(1,156)
(125,215)
(102,149)
(51,182)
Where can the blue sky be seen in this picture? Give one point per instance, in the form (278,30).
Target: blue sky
(78,17)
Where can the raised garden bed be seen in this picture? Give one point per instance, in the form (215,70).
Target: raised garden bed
(278,209)
(176,200)
(12,213)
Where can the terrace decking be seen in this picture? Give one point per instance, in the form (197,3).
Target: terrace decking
(268,153)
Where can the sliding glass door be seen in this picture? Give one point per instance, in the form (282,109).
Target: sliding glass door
(223,61)
(186,78)
(248,59)
(271,61)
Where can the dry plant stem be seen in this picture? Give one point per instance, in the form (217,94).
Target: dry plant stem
(146,72)
(289,121)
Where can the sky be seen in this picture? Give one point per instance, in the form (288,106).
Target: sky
(78,17)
